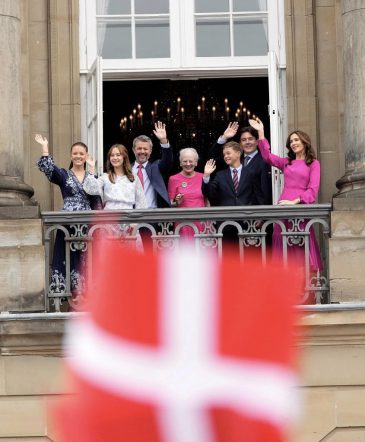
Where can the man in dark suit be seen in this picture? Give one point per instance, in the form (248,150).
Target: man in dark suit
(151,174)
(231,186)
(256,172)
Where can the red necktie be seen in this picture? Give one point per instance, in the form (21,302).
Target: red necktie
(140,174)
(235,180)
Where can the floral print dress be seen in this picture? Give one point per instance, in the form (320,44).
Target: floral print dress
(74,199)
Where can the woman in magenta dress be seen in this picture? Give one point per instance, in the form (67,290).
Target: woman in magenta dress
(185,188)
(301,184)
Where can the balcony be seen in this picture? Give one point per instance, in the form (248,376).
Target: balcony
(249,230)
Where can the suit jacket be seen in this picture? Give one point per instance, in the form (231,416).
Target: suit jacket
(220,190)
(155,171)
(257,172)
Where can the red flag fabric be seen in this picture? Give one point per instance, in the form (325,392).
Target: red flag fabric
(180,347)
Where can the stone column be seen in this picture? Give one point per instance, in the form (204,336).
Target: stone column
(352,184)
(14,193)
(21,250)
(347,244)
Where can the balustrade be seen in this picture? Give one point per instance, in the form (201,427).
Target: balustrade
(252,226)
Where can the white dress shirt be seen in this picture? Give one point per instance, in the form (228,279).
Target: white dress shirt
(149,191)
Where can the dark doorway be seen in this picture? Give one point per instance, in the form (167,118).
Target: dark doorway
(195,111)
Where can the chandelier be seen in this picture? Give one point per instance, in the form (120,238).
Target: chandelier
(194,116)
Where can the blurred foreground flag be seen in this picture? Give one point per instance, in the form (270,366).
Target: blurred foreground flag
(181,347)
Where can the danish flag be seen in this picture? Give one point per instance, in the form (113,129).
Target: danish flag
(181,347)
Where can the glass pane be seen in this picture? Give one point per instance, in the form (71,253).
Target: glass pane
(212,39)
(211,5)
(110,7)
(151,6)
(249,5)
(250,37)
(114,40)
(152,40)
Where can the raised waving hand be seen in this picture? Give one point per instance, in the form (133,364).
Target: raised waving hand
(160,132)
(43,142)
(209,168)
(91,163)
(258,125)
(231,130)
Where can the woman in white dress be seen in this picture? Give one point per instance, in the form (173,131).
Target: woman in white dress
(118,187)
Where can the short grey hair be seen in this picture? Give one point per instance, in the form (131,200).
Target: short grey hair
(188,150)
(143,138)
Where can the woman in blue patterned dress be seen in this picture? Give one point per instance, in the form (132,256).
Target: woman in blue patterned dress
(70,182)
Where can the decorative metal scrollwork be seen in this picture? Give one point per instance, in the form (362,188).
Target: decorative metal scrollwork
(166,229)
(58,283)
(252,241)
(80,231)
(319,285)
(295,239)
(253,228)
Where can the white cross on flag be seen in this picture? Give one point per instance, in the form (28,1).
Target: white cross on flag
(181,347)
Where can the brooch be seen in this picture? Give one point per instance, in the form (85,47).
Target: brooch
(184,184)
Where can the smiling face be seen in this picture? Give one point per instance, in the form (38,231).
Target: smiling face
(297,146)
(78,155)
(142,151)
(248,143)
(188,163)
(116,158)
(232,157)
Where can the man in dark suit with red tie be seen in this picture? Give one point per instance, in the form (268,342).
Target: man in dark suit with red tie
(152,174)
(230,186)
(257,176)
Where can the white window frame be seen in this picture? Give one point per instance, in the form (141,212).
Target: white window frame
(182,45)
(91,91)
(189,58)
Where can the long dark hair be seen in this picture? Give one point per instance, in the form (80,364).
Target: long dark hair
(126,166)
(78,143)
(310,154)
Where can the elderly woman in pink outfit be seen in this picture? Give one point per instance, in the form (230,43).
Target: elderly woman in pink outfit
(301,183)
(185,188)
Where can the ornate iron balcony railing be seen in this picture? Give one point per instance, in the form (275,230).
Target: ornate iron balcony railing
(250,227)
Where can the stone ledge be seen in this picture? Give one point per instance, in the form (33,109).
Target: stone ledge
(337,324)
(33,333)
(19,212)
(348,202)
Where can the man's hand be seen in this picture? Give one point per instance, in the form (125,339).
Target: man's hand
(160,132)
(231,130)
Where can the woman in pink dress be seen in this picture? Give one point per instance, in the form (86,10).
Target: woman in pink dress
(185,188)
(301,184)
